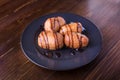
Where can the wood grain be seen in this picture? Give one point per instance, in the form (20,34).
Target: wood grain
(15,15)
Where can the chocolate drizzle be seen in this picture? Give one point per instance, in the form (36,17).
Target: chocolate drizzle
(47,42)
(71,36)
(44,39)
(55,40)
(77,27)
(72,44)
(72,39)
(51,23)
(78,40)
(40,41)
(58,21)
(68,38)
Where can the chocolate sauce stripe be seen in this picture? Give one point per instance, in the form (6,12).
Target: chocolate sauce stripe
(42,33)
(54,40)
(68,38)
(77,26)
(58,21)
(70,28)
(71,35)
(57,41)
(47,42)
(72,39)
(51,24)
(78,39)
(41,41)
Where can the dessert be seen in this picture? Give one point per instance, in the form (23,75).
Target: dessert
(54,23)
(50,40)
(57,33)
(73,27)
(75,40)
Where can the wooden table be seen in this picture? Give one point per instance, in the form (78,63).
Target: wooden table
(15,15)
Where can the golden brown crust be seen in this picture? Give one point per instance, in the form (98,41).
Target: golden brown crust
(50,40)
(54,23)
(75,40)
(73,27)
(84,40)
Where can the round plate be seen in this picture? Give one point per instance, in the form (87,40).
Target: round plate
(65,58)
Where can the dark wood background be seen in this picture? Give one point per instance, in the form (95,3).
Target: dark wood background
(15,15)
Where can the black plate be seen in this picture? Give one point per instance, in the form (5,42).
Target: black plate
(65,58)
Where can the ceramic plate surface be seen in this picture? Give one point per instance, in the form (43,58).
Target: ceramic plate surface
(65,58)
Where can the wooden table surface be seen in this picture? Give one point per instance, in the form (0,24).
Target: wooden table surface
(15,15)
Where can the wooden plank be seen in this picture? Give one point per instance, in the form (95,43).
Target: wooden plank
(16,15)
